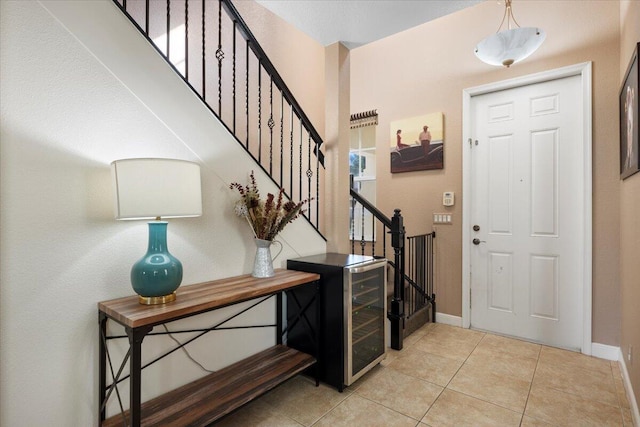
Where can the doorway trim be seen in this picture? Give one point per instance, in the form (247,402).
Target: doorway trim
(583,70)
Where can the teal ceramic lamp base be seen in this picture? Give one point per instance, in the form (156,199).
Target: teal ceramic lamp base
(157,275)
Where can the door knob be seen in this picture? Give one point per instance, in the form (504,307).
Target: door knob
(477,241)
(476,228)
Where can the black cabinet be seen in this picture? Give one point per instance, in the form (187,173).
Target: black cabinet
(352,318)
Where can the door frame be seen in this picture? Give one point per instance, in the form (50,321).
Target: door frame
(583,70)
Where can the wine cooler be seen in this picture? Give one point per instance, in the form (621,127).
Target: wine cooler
(352,318)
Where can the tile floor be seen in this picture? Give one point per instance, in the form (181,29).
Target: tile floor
(448,376)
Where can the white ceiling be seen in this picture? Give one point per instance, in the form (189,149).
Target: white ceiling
(358,22)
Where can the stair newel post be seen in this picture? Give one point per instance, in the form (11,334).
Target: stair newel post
(396,315)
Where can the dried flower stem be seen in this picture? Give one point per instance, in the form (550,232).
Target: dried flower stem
(269,217)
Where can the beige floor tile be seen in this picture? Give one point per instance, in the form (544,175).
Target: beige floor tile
(448,341)
(429,367)
(424,330)
(412,339)
(507,391)
(390,356)
(447,331)
(509,346)
(566,358)
(588,384)
(408,395)
(257,414)
(358,411)
(456,410)
(416,335)
(487,379)
(302,401)
(533,422)
(560,408)
(503,363)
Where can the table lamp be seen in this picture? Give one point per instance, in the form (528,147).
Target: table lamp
(156,189)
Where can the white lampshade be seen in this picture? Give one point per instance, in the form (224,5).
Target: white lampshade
(151,188)
(509,46)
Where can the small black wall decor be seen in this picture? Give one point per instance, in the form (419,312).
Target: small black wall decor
(630,119)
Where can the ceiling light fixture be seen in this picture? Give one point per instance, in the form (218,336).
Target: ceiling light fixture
(511,45)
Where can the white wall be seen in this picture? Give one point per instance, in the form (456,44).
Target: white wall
(80,88)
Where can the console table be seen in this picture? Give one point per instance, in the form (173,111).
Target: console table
(209,398)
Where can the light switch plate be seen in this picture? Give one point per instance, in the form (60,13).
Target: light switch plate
(442,218)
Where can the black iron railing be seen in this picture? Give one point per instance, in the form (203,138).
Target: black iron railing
(419,274)
(413,277)
(222,62)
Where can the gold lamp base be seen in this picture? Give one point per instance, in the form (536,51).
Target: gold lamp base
(157,300)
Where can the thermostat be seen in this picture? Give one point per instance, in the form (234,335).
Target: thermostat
(448,198)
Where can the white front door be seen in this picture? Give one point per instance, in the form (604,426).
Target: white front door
(527,214)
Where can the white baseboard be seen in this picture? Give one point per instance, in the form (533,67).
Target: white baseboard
(448,319)
(604,351)
(635,413)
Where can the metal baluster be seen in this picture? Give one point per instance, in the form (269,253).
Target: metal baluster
(281,183)
(204,71)
(352,224)
(124,5)
(418,280)
(271,123)
(430,263)
(317,188)
(235,23)
(146,18)
(259,111)
(362,241)
(309,175)
(384,241)
(186,39)
(417,274)
(420,268)
(219,57)
(291,158)
(300,163)
(168,28)
(409,300)
(417,300)
(423,267)
(373,235)
(247,92)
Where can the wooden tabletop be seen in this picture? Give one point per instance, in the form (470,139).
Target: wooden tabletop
(201,297)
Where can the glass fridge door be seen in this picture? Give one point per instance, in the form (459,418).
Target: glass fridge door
(366,318)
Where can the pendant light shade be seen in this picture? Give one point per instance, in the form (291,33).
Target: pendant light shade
(509,46)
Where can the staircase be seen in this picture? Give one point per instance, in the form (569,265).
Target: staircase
(412,301)
(210,46)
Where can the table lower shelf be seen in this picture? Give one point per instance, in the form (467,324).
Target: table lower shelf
(203,401)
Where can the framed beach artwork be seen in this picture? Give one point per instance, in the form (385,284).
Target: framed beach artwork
(630,119)
(417,143)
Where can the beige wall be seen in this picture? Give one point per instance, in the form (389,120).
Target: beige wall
(425,69)
(337,73)
(629,218)
(298,58)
